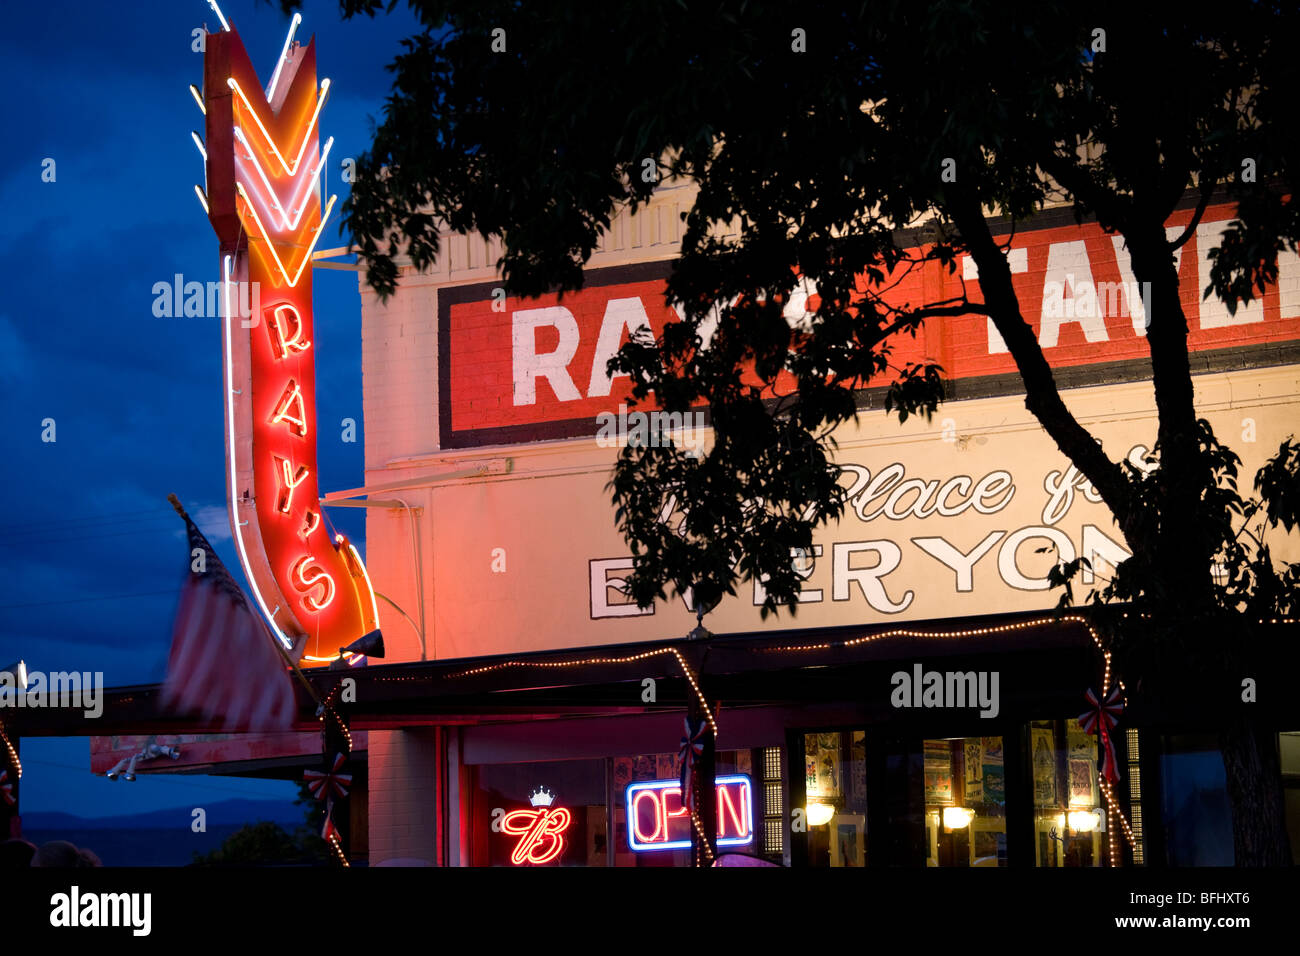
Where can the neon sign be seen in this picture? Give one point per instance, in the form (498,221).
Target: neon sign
(540,830)
(656,819)
(268,212)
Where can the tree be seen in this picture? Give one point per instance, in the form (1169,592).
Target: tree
(263,844)
(814,137)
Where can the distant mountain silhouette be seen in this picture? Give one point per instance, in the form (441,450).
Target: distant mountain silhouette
(159,837)
(221,813)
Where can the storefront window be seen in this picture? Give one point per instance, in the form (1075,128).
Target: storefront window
(1196,814)
(835,788)
(1289,745)
(1069,818)
(965,802)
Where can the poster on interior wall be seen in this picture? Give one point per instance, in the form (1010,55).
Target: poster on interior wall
(1083,783)
(622,773)
(994,788)
(1083,745)
(938,773)
(1042,755)
(828,765)
(666,767)
(974,771)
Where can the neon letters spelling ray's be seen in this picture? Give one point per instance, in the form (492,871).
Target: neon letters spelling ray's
(263,198)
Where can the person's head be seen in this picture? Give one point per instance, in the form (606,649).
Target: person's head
(16,853)
(62,854)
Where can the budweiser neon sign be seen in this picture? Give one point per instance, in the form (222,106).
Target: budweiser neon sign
(540,830)
(263,161)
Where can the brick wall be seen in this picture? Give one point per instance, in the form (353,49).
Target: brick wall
(404,797)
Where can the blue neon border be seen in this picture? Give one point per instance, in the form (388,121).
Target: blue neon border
(634,788)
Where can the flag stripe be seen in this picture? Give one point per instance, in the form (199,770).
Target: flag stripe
(222,664)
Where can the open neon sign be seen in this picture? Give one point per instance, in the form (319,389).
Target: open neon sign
(656,819)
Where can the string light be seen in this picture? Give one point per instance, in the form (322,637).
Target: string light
(327,709)
(686,671)
(957,634)
(705,844)
(333,841)
(1114,805)
(12,753)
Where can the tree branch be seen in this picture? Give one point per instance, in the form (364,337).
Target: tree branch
(1201,206)
(1042,398)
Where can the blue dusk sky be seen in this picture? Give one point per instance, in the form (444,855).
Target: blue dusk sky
(91,555)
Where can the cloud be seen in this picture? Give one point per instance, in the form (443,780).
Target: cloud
(14,357)
(214,522)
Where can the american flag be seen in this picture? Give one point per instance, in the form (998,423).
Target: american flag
(223,664)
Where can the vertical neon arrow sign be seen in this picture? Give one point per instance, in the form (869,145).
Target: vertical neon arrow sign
(263,162)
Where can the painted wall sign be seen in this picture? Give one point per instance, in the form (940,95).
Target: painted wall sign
(263,163)
(522,370)
(880,497)
(656,819)
(963,515)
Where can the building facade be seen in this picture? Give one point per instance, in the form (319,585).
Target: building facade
(491,427)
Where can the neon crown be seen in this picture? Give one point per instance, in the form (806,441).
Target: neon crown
(541,797)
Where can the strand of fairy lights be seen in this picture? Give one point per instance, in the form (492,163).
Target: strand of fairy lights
(13,754)
(963,633)
(705,844)
(333,841)
(686,670)
(327,709)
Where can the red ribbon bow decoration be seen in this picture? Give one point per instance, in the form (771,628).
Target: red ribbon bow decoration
(328,783)
(7,788)
(691,750)
(1102,715)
